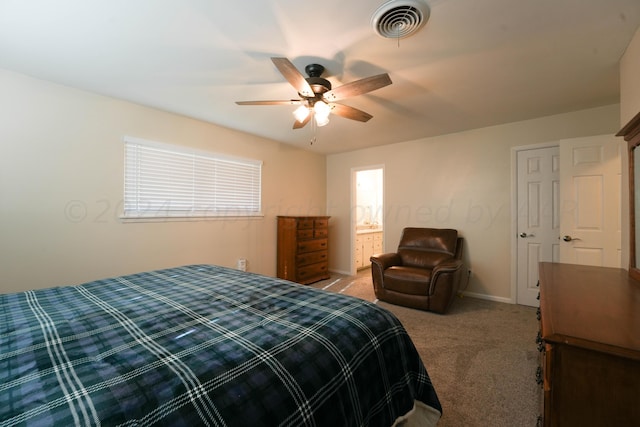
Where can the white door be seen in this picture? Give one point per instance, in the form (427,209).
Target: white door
(538,223)
(568,208)
(590,176)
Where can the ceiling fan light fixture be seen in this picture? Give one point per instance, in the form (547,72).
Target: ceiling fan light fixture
(321,112)
(321,109)
(301,113)
(322,120)
(397,19)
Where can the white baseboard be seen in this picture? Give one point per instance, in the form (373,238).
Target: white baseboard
(488,297)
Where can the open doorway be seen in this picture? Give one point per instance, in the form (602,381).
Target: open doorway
(367,216)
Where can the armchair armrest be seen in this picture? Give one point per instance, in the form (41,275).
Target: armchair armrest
(448,265)
(379,263)
(384,261)
(451,268)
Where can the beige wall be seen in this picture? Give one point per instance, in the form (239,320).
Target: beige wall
(460,181)
(61,183)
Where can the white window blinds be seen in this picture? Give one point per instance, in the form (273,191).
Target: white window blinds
(171,181)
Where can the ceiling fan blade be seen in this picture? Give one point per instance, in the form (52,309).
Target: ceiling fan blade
(300,125)
(358,87)
(293,76)
(289,102)
(350,112)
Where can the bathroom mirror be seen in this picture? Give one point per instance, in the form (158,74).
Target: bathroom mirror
(631,133)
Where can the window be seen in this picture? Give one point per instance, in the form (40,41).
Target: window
(167,181)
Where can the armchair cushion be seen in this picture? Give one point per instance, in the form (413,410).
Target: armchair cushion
(407,280)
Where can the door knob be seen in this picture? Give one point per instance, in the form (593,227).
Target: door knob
(569,238)
(525,235)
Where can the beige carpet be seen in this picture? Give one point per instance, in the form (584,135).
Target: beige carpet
(481,355)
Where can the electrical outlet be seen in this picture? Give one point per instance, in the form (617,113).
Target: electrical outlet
(242,264)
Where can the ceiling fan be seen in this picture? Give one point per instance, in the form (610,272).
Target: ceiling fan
(317,96)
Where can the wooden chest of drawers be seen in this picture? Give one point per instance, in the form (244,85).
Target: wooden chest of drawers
(303,243)
(589,344)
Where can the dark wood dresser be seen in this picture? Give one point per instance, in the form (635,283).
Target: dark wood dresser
(303,243)
(589,344)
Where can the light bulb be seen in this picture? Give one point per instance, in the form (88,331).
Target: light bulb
(301,113)
(321,120)
(321,109)
(321,112)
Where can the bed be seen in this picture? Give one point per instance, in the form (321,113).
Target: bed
(206,345)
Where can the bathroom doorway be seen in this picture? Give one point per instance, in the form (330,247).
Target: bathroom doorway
(367,216)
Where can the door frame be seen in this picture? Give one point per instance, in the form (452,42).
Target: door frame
(514,211)
(353,217)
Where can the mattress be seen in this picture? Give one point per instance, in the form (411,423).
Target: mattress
(205,345)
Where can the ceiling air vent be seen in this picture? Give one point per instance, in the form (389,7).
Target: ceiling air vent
(397,19)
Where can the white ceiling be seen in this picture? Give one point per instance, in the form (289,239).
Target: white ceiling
(475,63)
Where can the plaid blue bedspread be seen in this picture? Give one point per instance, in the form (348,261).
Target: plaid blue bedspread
(203,345)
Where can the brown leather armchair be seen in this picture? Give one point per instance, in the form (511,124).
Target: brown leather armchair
(425,273)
